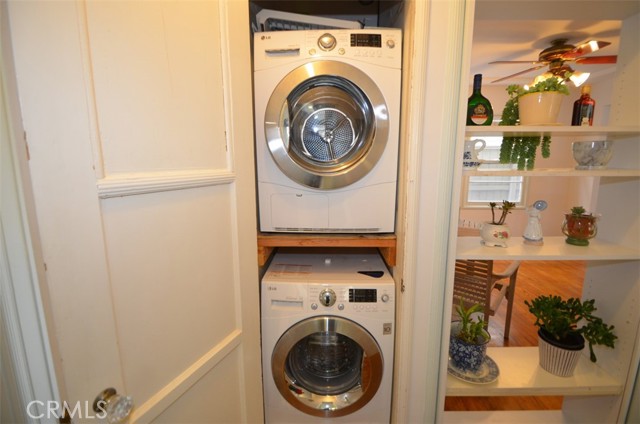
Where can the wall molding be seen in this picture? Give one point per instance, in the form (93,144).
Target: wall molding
(160,401)
(131,184)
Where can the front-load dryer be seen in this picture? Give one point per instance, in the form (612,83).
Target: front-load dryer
(327,338)
(327,110)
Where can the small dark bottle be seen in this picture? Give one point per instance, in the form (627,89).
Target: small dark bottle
(479,111)
(583,108)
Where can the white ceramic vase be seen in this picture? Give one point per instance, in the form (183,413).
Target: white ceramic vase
(540,108)
(494,235)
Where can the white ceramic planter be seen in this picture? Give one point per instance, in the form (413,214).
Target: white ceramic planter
(540,108)
(556,360)
(494,235)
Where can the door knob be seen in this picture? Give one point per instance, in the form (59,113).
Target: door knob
(113,406)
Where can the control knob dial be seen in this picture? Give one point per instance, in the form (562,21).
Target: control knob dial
(327,297)
(327,42)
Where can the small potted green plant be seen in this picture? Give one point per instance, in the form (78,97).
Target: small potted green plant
(496,233)
(579,226)
(559,320)
(522,150)
(469,339)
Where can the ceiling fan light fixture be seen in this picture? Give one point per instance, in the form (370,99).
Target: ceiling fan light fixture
(578,78)
(560,52)
(594,45)
(542,77)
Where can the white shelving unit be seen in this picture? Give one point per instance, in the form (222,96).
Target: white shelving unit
(520,375)
(576,133)
(554,248)
(556,172)
(598,392)
(611,258)
(561,134)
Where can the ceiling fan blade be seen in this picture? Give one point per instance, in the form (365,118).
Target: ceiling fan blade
(586,48)
(501,62)
(520,73)
(597,60)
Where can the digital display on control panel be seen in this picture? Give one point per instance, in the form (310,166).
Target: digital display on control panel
(363,295)
(366,40)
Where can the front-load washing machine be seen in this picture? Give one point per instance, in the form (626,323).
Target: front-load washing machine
(327,338)
(327,111)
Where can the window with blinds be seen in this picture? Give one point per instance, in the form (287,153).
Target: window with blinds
(478,191)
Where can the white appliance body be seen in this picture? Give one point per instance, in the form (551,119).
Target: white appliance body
(313,91)
(312,370)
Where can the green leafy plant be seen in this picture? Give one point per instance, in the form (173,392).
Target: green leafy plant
(505,209)
(577,211)
(550,84)
(521,150)
(560,318)
(471,332)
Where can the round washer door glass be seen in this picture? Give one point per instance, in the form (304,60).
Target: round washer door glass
(326,125)
(327,366)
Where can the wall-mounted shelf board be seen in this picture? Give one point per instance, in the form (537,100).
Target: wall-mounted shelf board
(554,172)
(609,133)
(554,248)
(521,375)
(385,243)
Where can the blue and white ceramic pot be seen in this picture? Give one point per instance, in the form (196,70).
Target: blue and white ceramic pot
(465,356)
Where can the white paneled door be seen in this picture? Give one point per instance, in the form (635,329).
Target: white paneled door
(138,121)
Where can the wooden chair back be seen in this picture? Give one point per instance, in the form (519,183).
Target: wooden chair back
(476,282)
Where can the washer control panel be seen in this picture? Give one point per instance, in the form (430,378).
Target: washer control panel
(353,43)
(325,298)
(380,46)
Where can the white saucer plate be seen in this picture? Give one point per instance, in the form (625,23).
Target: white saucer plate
(487,373)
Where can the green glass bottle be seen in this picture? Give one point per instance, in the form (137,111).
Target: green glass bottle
(479,111)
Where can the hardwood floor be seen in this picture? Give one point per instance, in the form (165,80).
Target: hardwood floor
(535,278)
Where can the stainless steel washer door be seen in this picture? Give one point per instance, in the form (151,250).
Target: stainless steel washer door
(326,124)
(327,366)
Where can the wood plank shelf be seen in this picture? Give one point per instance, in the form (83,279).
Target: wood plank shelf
(521,375)
(385,243)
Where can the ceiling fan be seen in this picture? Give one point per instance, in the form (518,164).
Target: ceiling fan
(560,52)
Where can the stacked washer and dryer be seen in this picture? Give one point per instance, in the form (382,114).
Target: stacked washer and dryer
(327,106)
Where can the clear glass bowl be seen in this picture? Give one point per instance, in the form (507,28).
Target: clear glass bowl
(592,154)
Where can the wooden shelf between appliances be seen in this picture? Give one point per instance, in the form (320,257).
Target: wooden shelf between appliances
(386,243)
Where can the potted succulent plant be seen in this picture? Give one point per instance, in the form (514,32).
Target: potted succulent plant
(521,150)
(560,338)
(579,226)
(496,233)
(469,339)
